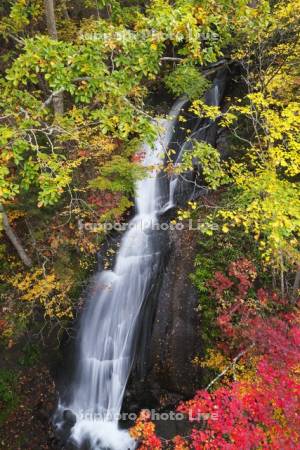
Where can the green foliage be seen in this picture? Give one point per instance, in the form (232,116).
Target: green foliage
(118,175)
(21,14)
(264,166)
(186,79)
(104,72)
(210,161)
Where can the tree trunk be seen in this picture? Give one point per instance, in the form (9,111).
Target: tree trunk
(58,100)
(14,239)
(65,9)
(295,292)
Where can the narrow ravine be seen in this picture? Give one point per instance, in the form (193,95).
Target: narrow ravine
(109,323)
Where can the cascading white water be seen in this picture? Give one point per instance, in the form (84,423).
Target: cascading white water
(108,326)
(213,98)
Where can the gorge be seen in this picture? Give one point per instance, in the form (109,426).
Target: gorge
(116,318)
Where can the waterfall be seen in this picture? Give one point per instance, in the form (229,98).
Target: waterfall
(204,130)
(110,320)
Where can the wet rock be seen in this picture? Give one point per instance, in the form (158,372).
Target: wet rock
(69,418)
(176,333)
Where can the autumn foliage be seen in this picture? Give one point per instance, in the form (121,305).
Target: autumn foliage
(254,402)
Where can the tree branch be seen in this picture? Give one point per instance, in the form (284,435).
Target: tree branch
(14,238)
(232,364)
(57,97)
(170,58)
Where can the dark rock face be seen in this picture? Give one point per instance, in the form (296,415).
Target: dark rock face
(171,336)
(148,310)
(175,337)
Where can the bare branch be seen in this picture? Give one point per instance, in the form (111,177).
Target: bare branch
(14,238)
(231,365)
